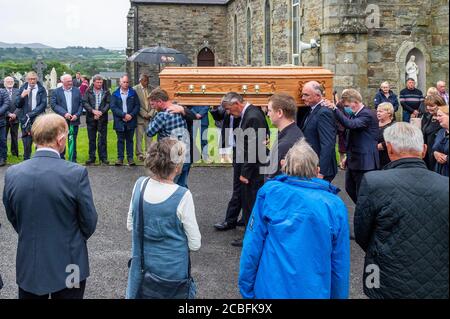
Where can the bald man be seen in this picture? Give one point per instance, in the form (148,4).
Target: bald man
(319,128)
(440,86)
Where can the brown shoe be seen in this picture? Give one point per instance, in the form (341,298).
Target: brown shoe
(119,163)
(141,158)
(131,163)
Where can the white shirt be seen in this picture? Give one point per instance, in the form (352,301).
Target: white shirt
(48,149)
(33,97)
(243,113)
(68,96)
(313,107)
(124,96)
(157,192)
(230,133)
(356,113)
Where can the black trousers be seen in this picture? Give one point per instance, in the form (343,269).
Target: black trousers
(27,144)
(99,127)
(248,196)
(352,182)
(234,205)
(14,129)
(74,293)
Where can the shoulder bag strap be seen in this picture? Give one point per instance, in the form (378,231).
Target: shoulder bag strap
(141,223)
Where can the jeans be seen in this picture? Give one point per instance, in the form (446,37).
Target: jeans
(406,116)
(3,145)
(125,138)
(182,179)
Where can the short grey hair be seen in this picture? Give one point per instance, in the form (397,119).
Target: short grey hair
(232,97)
(143,76)
(124,75)
(97,77)
(65,76)
(404,138)
(301,160)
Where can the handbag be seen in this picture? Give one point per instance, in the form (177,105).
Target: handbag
(153,286)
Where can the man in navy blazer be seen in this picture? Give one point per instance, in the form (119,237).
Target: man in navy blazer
(12,120)
(362,140)
(32,101)
(67,102)
(319,129)
(125,107)
(49,203)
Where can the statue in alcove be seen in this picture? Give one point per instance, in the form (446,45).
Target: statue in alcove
(412,70)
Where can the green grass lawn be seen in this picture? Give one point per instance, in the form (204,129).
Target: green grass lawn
(83,145)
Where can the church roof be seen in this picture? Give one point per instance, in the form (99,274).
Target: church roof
(217,2)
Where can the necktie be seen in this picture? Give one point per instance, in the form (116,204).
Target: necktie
(30,98)
(10,93)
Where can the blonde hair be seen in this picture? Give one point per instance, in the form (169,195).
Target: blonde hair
(351,95)
(385,83)
(386,106)
(301,160)
(444,109)
(47,128)
(432,91)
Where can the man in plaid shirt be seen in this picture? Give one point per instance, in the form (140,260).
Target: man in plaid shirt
(169,124)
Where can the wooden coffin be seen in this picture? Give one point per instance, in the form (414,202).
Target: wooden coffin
(207,85)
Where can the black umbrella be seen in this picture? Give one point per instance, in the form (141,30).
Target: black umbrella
(158,55)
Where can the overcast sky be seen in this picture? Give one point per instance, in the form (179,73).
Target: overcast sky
(61,23)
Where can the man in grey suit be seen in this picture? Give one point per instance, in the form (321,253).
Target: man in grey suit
(146,113)
(49,203)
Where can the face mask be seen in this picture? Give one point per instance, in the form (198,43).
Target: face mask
(348,110)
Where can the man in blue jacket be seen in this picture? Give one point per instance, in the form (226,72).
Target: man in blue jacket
(67,102)
(297,241)
(4,108)
(32,101)
(362,140)
(49,203)
(125,107)
(319,128)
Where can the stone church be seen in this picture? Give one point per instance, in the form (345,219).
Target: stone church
(364,42)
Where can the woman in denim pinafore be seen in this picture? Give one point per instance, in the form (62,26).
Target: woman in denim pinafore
(169,220)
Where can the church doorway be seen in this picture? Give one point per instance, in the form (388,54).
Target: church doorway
(205,57)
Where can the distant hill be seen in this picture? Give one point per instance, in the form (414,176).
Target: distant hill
(24,45)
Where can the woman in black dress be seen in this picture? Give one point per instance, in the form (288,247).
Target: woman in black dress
(385,115)
(430,127)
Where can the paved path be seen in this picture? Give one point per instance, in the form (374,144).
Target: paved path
(215,267)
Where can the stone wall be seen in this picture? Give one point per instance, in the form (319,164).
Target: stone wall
(183,27)
(280,32)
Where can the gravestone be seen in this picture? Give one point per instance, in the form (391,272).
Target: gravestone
(39,67)
(53,79)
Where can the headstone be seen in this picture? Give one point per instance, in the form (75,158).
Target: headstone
(39,67)
(18,76)
(47,82)
(53,79)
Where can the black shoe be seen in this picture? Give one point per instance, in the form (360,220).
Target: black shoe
(104,162)
(90,162)
(224,226)
(131,163)
(237,243)
(240,223)
(119,163)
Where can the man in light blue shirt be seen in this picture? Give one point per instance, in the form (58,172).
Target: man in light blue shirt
(67,102)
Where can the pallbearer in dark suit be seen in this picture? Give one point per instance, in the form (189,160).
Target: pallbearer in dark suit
(12,118)
(49,203)
(250,148)
(362,141)
(32,101)
(319,129)
(67,102)
(96,102)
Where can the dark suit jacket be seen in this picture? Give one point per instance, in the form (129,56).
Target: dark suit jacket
(59,106)
(49,203)
(362,140)
(24,105)
(220,115)
(89,105)
(320,132)
(133,107)
(4,106)
(12,106)
(253,119)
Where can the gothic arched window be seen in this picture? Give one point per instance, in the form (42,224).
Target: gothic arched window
(235,35)
(296,32)
(249,37)
(267,33)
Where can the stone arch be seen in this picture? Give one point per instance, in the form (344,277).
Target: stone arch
(206,45)
(206,57)
(423,60)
